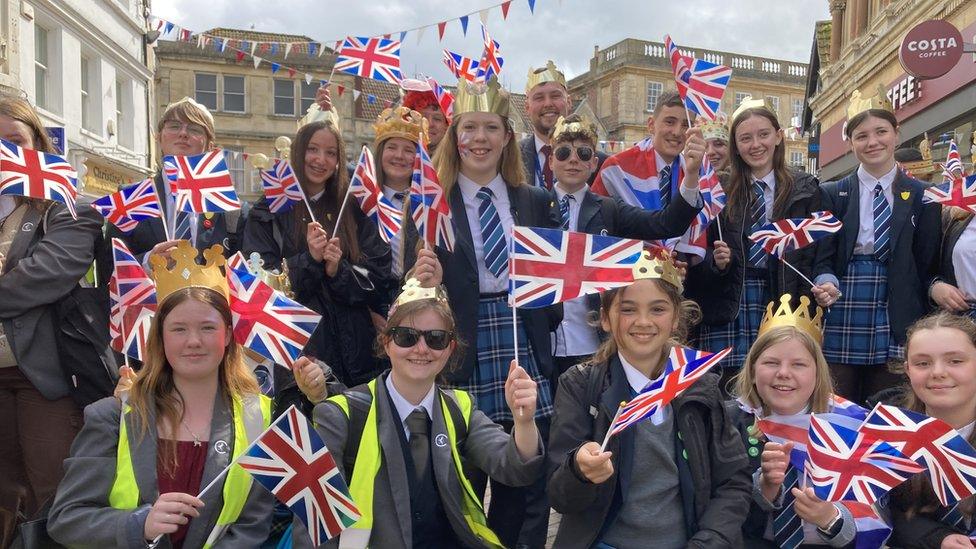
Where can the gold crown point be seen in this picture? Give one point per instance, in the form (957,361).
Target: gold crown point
(750,103)
(413,291)
(481,97)
(583,126)
(187,273)
(657,266)
(549,73)
(859,104)
(400,122)
(714,129)
(799,318)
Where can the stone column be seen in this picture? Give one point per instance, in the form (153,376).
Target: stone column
(836,27)
(862,16)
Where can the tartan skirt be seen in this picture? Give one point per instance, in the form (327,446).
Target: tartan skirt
(741,332)
(494,354)
(856,328)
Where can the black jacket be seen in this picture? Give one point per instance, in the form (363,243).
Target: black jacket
(530,160)
(721,290)
(715,487)
(952,228)
(915,228)
(344,338)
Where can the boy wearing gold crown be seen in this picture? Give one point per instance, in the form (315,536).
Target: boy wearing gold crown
(401,439)
(874,273)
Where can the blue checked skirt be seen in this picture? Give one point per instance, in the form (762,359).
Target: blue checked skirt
(856,329)
(741,332)
(494,353)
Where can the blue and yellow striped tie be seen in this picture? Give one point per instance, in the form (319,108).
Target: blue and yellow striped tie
(492,235)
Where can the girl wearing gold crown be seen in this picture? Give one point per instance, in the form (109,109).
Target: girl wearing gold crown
(677,478)
(402,438)
(737,277)
(340,272)
(940,362)
(193,407)
(874,273)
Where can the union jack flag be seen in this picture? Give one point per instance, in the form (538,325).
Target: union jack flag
(371,199)
(787,235)
(550,266)
(266,321)
(376,58)
(845,464)
(292,462)
(491,57)
(281,187)
(701,84)
(680,65)
(36,174)
(128,206)
(685,366)
(428,203)
(133,298)
(202,182)
(795,428)
(444,99)
(950,461)
(960,192)
(713,197)
(461,66)
(953,164)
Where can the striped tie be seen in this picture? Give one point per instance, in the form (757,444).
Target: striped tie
(757,256)
(955,518)
(492,236)
(664,184)
(564,210)
(882,225)
(787,526)
(182,226)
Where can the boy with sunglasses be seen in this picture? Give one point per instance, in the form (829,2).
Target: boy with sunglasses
(573,160)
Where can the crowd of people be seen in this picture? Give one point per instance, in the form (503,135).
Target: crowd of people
(413,377)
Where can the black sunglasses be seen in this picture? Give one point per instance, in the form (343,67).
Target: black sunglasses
(437,340)
(583,153)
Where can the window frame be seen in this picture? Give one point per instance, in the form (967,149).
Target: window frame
(647,99)
(197,90)
(275,97)
(224,93)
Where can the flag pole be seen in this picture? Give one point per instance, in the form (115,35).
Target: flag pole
(803,276)
(718,223)
(511,299)
(342,209)
(606,438)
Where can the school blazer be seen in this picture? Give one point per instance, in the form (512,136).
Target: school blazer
(915,229)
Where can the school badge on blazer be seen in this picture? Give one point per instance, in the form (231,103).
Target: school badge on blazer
(905,195)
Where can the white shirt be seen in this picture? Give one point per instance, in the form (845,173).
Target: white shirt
(574,336)
(769,193)
(541,157)
(867,182)
(964,260)
(396,240)
(488,283)
(638,381)
(404,408)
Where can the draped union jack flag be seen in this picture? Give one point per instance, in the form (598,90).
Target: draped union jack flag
(950,461)
(202,182)
(461,66)
(550,266)
(128,206)
(371,199)
(787,235)
(266,321)
(685,366)
(428,203)
(36,174)
(281,187)
(845,464)
(960,192)
(376,58)
(133,298)
(292,462)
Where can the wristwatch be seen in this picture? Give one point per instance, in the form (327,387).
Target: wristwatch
(833,528)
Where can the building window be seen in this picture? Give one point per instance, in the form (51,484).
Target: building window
(90,98)
(41,63)
(796,158)
(308,96)
(798,109)
(237,169)
(284,97)
(654,90)
(233,93)
(774,101)
(206,90)
(739,98)
(124,118)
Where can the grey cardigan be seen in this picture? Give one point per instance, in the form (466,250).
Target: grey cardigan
(82,517)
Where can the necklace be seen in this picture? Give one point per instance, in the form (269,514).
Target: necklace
(196,438)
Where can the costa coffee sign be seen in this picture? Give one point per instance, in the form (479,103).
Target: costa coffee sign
(931,49)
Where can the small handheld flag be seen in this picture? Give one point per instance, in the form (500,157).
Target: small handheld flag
(428,203)
(129,205)
(36,174)
(371,199)
(281,187)
(202,182)
(959,192)
(133,303)
(786,235)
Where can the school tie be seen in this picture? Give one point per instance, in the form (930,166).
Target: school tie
(882,225)
(955,518)
(546,151)
(664,184)
(182,225)
(757,255)
(396,243)
(564,210)
(787,526)
(263,375)
(494,243)
(419,440)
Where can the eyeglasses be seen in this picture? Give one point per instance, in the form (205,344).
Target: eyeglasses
(404,337)
(175,126)
(583,153)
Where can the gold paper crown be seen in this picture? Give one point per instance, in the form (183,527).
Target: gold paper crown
(316,114)
(400,122)
(859,104)
(549,73)
(278,281)
(480,97)
(799,318)
(657,266)
(714,129)
(583,126)
(413,291)
(187,273)
(750,103)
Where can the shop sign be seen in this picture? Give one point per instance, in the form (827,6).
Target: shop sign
(931,49)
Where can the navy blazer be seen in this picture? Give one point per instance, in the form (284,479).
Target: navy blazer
(530,160)
(915,228)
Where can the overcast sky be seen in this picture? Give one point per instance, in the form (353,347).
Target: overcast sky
(562,30)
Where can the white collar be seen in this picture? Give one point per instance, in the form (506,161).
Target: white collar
(538,143)
(403,407)
(469,188)
(966,430)
(317,195)
(578,195)
(660,164)
(637,380)
(769,179)
(869,180)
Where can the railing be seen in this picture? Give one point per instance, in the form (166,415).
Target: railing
(743,62)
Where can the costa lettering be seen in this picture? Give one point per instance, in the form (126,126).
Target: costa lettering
(931,49)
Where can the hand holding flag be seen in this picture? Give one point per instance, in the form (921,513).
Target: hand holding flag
(786,235)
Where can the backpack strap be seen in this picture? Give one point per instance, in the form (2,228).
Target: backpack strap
(231,220)
(359,400)
(595,375)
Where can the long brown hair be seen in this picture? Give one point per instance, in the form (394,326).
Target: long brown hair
(447,160)
(21,110)
(326,209)
(154,384)
(739,189)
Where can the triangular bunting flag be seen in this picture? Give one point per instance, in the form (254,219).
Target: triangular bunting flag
(532,6)
(287,49)
(356,94)
(464,24)
(440,29)
(483,15)
(403,34)
(371,99)
(257,61)
(342,90)
(291,72)
(505,6)
(275,67)
(420,33)
(308,79)
(240,55)
(254,45)
(311,49)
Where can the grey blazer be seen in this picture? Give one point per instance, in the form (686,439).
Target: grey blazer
(82,517)
(487,447)
(47,258)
